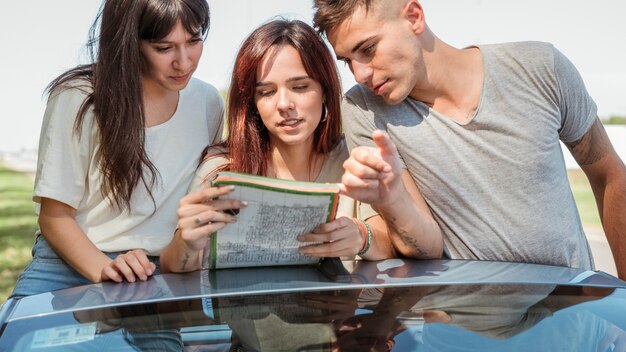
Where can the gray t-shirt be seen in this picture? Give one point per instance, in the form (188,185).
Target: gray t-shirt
(498,185)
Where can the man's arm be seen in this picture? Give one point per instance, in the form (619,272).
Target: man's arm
(374,175)
(607,176)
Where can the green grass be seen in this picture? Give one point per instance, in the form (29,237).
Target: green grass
(585,201)
(18,224)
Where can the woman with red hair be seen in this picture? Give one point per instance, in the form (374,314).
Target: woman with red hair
(284,121)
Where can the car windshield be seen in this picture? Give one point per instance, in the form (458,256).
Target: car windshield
(231,311)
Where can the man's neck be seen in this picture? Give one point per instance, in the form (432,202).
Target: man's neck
(454,82)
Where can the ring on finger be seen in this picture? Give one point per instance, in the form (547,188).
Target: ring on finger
(197,220)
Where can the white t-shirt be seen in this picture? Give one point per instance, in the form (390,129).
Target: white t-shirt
(68,172)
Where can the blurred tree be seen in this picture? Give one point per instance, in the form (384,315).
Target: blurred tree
(614,120)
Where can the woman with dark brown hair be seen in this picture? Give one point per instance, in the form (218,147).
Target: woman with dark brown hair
(119,144)
(283,122)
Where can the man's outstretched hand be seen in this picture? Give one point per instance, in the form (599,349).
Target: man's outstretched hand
(373,174)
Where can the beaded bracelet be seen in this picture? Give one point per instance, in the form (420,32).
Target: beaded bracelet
(368,240)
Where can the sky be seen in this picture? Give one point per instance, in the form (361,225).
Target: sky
(41,38)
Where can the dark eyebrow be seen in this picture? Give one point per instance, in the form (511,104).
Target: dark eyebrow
(356,47)
(298,78)
(292,79)
(359,44)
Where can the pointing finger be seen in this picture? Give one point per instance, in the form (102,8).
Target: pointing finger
(370,158)
(387,148)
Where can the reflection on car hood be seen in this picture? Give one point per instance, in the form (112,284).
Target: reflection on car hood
(331,274)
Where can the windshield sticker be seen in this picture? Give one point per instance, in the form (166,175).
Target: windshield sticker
(64,335)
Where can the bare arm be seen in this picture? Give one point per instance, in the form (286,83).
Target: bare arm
(199,215)
(178,257)
(607,176)
(381,246)
(411,228)
(62,232)
(375,176)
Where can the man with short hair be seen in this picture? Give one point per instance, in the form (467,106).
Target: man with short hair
(476,132)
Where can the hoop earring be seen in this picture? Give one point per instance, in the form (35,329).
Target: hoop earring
(324,113)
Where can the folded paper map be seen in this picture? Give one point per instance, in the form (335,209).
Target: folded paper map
(266,230)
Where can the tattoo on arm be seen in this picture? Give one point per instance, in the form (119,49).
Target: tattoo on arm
(593,146)
(412,243)
(407,239)
(185,261)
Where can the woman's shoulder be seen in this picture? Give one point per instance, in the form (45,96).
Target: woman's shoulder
(64,103)
(214,159)
(340,151)
(215,152)
(332,170)
(75,89)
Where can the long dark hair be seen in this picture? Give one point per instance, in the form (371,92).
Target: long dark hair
(116,93)
(247,141)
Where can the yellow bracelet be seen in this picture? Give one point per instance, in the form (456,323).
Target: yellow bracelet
(368,240)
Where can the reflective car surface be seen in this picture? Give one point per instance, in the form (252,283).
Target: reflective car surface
(392,305)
